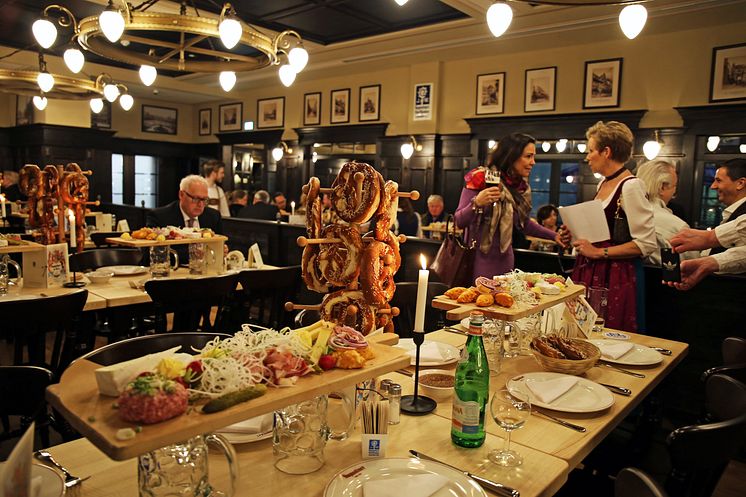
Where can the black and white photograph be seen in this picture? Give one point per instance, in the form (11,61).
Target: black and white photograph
(230,117)
(311,109)
(423,102)
(370,103)
(603,80)
(728,80)
(102,120)
(270,112)
(162,120)
(340,102)
(540,89)
(205,122)
(24,110)
(491,93)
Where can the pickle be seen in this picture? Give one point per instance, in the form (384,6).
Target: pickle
(231,399)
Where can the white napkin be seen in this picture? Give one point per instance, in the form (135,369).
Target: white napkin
(259,424)
(423,485)
(15,474)
(615,350)
(429,351)
(550,390)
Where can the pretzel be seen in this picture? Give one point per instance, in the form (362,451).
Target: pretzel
(348,307)
(386,212)
(31,184)
(384,319)
(356,192)
(312,276)
(339,263)
(313,207)
(378,266)
(74,191)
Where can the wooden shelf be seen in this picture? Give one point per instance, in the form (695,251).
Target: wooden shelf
(26,247)
(152,243)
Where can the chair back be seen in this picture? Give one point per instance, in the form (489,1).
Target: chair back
(734,351)
(725,397)
(94,259)
(99,238)
(191,300)
(305,317)
(405,299)
(22,389)
(633,482)
(262,296)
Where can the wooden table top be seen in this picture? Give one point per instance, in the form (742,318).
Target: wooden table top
(93,303)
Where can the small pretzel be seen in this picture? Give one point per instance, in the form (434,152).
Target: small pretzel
(312,276)
(313,207)
(386,213)
(377,273)
(356,192)
(339,263)
(348,307)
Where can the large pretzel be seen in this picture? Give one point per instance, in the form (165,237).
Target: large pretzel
(31,184)
(312,276)
(348,307)
(313,207)
(74,192)
(340,262)
(356,192)
(386,212)
(377,272)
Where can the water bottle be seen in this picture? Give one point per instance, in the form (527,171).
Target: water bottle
(471,388)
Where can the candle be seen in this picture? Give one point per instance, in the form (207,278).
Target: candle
(71,222)
(2,206)
(292,207)
(419,315)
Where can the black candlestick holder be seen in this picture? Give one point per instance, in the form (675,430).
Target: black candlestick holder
(74,283)
(417,405)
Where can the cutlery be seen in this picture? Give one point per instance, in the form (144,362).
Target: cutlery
(70,480)
(662,351)
(620,390)
(564,423)
(404,372)
(454,330)
(490,485)
(625,371)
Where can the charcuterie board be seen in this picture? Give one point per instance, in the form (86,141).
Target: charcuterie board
(456,311)
(138,243)
(93,415)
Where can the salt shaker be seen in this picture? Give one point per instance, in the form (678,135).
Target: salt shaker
(394,403)
(383,387)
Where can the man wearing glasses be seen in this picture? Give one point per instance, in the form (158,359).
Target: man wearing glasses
(189,210)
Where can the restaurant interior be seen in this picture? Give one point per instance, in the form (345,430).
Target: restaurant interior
(105,105)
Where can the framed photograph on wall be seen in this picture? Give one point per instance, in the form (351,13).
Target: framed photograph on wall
(491,93)
(340,102)
(230,117)
(540,89)
(603,83)
(102,120)
(728,77)
(370,103)
(311,109)
(270,112)
(423,102)
(24,110)
(162,120)
(205,122)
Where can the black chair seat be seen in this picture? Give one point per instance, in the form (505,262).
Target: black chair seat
(734,351)
(262,296)
(22,390)
(94,259)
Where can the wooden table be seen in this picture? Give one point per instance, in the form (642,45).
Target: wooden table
(93,303)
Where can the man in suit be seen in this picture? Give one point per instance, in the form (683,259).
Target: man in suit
(261,208)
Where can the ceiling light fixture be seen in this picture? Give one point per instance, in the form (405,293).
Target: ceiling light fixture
(287,74)
(409,147)
(227,80)
(74,59)
(652,148)
(112,22)
(126,101)
(229,27)
(97,105)
(499,17)
(561,145)
(632,19)
(742,148)
(280,150)
(148,74)
(40,102)
(401,2)
(44,31)
(491,144)
(111,92)
(298,58)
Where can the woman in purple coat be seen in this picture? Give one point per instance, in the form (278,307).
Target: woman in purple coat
(489,213)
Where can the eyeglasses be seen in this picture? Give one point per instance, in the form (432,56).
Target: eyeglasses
(196,200)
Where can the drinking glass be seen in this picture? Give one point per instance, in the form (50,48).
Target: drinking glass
(510,414)
(598,299)
(197,258)
(160,266)
(493,335)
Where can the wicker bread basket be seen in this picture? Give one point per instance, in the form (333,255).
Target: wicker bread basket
(570,366)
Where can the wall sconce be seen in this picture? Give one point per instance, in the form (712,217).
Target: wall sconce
(712,143)
(280,150)
(582,147)
(652,148)
(742,148)
(561,145)
(546,146)
(408,148)
(491,144)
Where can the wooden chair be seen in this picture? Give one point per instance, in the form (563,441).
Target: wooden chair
(405,299)
(263,294)
(22,390)
(734,360)
(633,482)
(94,259)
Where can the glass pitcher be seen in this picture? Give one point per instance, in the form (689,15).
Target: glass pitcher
(5,281)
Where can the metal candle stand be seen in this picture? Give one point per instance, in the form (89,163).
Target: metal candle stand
(417,405)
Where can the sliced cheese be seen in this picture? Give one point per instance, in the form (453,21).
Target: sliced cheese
(112,379)
(547,288)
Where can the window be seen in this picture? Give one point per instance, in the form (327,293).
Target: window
(117,178)
(134,180)
(554,181)
(568,184)
(541,185)
(146,181)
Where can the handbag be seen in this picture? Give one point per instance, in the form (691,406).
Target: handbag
(454,263)
(621,232)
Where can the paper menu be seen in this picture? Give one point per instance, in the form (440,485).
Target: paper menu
(15,474)
(586,221)
(255,257)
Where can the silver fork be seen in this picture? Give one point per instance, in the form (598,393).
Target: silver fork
(70,480)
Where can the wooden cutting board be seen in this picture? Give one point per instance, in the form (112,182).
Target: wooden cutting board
(132,242)
(457,312)
(76,397)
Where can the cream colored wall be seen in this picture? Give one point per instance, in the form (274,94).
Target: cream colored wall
(7,109)
(128,123)
(67,113)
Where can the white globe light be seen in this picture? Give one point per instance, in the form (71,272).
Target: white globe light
(40,102)
(45,81)
(491,144)
(546,146)
(148,74)
(126,101)
(582,147)
(111,92)
(569,179)
(298,58)
(74,59)
(407,150)
(598,175)
(742,148)
(499,17)
(651,149)
(45,32)
(112,24)
(97,105)
(287,74)
(230,32)
(401,2)
(712,143)
(277,153)
(561,145)
(315,156)
(227,80)
(632,19)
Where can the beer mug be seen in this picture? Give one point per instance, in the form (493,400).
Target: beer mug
(160,266)
(197,258)
(5,281)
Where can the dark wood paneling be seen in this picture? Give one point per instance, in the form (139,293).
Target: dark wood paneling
(714,119)
(356,133)
(270,138)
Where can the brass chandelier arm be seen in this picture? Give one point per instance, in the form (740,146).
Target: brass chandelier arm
(176,47)
(66,87)
(63,21)
(281,43)
(569,3)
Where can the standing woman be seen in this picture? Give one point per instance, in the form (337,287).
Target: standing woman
(489,213)
(617,266)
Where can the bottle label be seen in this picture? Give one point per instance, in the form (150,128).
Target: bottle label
(465,416)
(475,329)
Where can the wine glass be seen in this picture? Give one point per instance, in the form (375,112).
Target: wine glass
(510,414)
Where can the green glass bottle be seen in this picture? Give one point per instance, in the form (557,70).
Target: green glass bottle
(471,389)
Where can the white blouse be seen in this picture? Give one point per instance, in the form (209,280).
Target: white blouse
(639,215)
(667,224)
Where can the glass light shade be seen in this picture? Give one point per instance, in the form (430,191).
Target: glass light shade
(277,153)
(45,32)
(712,143)
(74,59)
(112,24)
(598,175)
(401,2)
(742,148)
(407,150)
(126,101)
(651,149)
(230,32)
(227,80)
(45,81)
(499,17)
(561,145)
(632,19)
(111,92)
(315,155)
(97,105)
(569,179)
(287,74)
(546,146)
(298,58)
(582,147)
(40,102)
(491,144)
(148,74)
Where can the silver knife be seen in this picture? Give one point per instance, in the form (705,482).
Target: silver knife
(625,371)
(620,390)
(490,485)
(662,351)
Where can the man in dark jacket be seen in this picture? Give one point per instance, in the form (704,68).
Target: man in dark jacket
(260,209)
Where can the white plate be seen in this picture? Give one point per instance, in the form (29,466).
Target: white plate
(584,396)
(639,355)
(459,485)
(52,483)
(242,438)
(124,270)
(449,353)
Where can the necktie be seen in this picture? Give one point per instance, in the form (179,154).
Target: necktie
(190,223)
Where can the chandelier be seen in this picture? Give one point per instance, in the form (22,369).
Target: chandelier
(632,17)
(181,43)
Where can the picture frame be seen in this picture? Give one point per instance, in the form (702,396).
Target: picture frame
(230,117)
(540,89)
(270,112)
(24,110)
(727,81)
(205,122)
(491,93)
(602,83)
(423,102)
(312,109)
(159,120)
(340,106)
(102,120)
(370,103)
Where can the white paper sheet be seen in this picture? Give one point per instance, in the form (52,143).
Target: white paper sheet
(586,220)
